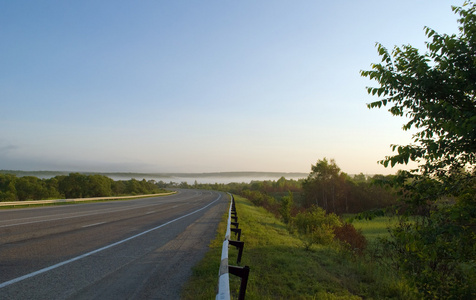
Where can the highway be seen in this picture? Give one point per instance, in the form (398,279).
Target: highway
(129,249)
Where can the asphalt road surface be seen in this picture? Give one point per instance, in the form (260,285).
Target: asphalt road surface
(134,249)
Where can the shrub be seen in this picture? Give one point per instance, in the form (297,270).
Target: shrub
(315,226)
(437,254)
(352,238)
(285,208)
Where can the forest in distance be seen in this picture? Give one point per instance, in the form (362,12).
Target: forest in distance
(340,193)
(71,186)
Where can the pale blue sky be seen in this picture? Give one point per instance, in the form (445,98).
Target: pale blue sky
(200,86)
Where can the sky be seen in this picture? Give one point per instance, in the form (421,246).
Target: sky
(201,86)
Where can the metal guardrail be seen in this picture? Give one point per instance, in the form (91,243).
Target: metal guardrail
(35,202)
(223,292)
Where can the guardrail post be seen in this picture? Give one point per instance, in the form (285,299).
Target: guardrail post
(239,245)
(237,232)
(223,291)
(242,272)
(233,207)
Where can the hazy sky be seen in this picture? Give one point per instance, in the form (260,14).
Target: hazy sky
(200,86)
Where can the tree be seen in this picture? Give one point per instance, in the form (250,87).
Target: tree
(30,188)
(436,91)
(52,188)
(73,185)
(7,187)
(324,186)
(286,205)
(335,191)
(99,186)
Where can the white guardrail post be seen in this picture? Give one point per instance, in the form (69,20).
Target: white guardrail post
(223,292)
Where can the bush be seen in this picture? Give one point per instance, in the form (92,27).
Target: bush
(315,226)
(262,199)
(437,254)
(352,238)
(285,208)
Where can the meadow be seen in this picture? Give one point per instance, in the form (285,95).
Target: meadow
(375,228)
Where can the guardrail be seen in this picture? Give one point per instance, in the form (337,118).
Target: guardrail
(223,292)
(37,202)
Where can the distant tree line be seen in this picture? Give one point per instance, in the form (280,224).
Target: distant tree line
(326,186)
(313,207)
(74,185)
(337,192)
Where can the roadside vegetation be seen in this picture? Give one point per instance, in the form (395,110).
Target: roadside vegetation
(284,267)
(430,249)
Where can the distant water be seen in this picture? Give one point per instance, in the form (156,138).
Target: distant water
(190,178)
(224,180)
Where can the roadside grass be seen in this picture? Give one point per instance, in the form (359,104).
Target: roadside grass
(280,267)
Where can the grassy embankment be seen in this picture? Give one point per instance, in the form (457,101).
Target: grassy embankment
(282,269)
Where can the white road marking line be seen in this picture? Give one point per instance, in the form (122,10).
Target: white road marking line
(150,212)
(80,215)
(15,280)
(95,224)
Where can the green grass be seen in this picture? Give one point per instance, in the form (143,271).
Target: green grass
(375,228)
(378,227)
(280,267)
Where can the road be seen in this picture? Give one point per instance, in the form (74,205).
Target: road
(134,249)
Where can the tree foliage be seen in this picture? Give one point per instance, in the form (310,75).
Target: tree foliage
(335,191)
(436,92)
(74,185)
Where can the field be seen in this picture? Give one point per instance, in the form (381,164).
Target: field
(375,228)
(282,269)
